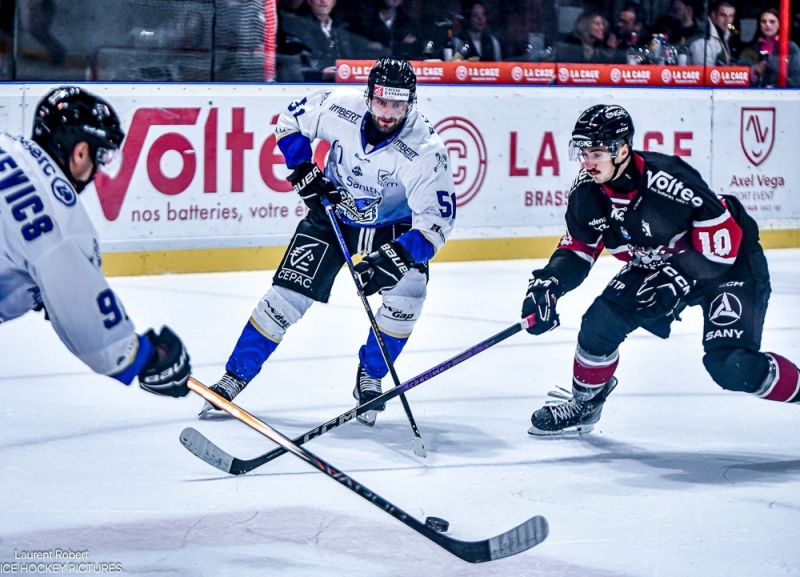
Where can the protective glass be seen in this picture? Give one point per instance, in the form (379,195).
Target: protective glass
(109,161)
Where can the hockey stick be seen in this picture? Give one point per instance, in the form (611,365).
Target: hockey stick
(204,449)
(520,538)
(417,444)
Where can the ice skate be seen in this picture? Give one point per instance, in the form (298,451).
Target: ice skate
(366,389)
(228,387)
(568,416)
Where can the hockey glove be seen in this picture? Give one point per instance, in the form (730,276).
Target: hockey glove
(311,184)
(383,268)
(661,293)
(168,373)
(540,301)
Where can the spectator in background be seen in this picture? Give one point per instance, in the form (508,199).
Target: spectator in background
(762,54)
(589,42)
(477,43)
(680,25)
(320,41)
(390,29)
(714,49)
(630,30)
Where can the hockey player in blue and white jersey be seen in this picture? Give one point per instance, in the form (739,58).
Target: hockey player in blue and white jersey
(50,254)
(387,175)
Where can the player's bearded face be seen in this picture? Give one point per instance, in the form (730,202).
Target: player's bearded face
(387,114)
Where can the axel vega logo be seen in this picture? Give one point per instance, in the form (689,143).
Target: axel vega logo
(198,154)
(757,133)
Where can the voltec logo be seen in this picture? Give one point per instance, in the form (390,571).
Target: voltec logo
(198,150)
(757,133)
(468,158)
(664,183)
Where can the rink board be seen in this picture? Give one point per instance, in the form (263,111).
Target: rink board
(202,186)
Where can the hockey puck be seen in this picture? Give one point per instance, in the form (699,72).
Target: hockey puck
(437,524)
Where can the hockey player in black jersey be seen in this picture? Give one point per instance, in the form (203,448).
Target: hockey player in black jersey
(683,246)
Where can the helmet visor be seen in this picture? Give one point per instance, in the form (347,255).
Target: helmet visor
(587,151)
(389,102)
(109,161)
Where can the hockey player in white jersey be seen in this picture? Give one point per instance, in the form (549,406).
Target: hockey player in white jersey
(51,256)
(388,176)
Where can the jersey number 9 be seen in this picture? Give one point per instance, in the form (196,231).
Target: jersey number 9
(107,303)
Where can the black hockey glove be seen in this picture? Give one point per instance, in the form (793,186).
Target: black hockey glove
(383,268)
(540,301)
(168,372)
(661,293)
(311,184)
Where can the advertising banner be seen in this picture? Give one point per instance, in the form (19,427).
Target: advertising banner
(462,72)
(508,147)
(201,168)
(755,132)
(511,73)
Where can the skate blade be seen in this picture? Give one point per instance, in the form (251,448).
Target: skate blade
(368,418)
(562,434)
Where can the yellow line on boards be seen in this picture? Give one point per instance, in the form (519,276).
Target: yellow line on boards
(269,257)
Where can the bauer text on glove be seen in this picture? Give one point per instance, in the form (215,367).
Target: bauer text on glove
(168,372)
(383,268)
(311,184)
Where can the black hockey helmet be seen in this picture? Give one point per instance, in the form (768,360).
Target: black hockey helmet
(604,125)
(69,115)
(393,79)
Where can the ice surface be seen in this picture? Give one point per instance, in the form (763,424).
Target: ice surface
(679,478)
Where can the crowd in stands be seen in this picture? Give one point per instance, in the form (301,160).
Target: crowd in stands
(688,33)
(313,34)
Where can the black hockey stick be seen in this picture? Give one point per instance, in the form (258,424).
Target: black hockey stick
(204,449)
(520,538)
(417,444)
